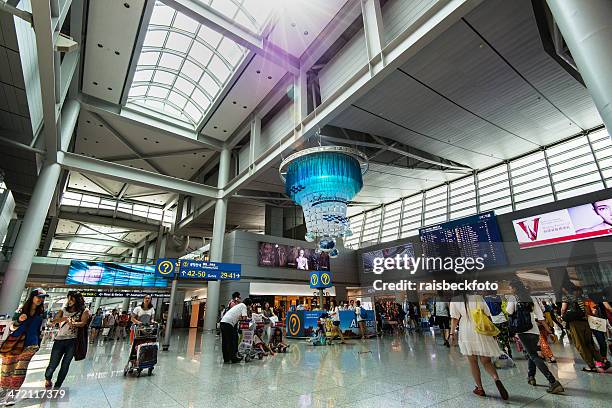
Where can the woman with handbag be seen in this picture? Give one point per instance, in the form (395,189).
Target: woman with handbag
(72,317)
(21,345)
(476,339)
(574,313)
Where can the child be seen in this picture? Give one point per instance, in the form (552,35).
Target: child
(276,341)
(259,344)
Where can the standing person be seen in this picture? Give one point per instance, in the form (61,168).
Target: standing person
(525,311)
(122,323)
(334,312)
(474,345)
(142,314)
(573,312)
(229,331)
(351,305)
(441,311)
(361,322)
(69,319)
(21,344)
(96,324)
(233,301)
(108,323)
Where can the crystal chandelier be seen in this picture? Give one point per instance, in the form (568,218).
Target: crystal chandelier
(323,180)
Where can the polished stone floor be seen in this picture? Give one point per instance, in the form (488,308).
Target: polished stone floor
(395,371)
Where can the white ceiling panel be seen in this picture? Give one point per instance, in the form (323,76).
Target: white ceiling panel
(159,199)
(66,227)
(112,27)
(135,236)
(182,166)
(254,84)
(92,183)
(301,21)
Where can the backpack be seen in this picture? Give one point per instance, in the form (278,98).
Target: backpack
(520,320)
(362,313)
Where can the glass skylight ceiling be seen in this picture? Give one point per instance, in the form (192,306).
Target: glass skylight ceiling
(183,64)
(252,14)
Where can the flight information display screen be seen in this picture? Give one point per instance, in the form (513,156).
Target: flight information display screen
(474,236)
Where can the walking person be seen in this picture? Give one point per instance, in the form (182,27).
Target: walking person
(442,317)
(361,321)
(21,345)
(96,324)
(122,323)
(334,312)
(142,314)
(526,316)
(229,331)
(69,319)
(108,323)
(474,345)
(573,312)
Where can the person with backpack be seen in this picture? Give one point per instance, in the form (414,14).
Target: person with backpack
(495,303)
(122,323)
(72,317)
(573,312)
(361,315)
(525,316)
(474,315)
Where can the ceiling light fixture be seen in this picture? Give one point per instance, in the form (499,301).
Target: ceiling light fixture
(323,180)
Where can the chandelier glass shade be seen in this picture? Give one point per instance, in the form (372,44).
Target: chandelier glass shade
(323,180)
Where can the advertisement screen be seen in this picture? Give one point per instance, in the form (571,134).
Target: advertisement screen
(368,257)
(476,236)
(571,224)
(294,257)
(113,274)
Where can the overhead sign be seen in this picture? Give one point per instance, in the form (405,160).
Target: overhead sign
(320,280)
(166,267)
(122,294)
(571,224)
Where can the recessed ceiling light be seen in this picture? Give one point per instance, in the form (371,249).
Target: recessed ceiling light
(146,138)
(244,107)
(88,121)
(84,138)
(109,88)
(258,71)
(117,53)
(269,77)
(224,131)
(101,125)
(126,5)
(215,127)
(100,45)
(95,83)
(234,102)
(305,32)
(293,24)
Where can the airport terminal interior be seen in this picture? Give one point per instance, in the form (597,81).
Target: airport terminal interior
(305,203)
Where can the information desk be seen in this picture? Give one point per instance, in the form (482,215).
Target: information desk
(303,323)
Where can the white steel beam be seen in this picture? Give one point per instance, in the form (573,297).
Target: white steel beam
(44,30)
(434,22)
(211,18)
(133,118)
(373,29)
(154,155)
(126,174)
(94,241)
(102,220)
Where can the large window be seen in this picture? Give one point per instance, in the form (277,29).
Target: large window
(576,166)
(183,65)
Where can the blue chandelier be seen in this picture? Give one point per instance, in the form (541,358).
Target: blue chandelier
(323,180)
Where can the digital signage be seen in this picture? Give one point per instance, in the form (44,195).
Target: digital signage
(401,250)
(294,257)
(476,236)
(92,273)
(571,224)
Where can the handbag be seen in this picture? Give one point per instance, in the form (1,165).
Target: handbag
(80,349)
(598,323)
(482,324)
(13,345)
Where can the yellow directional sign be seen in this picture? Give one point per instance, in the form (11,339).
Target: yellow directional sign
(165,267)
(325,279)
(314,279)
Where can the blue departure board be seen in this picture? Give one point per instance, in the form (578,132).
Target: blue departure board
(474,236)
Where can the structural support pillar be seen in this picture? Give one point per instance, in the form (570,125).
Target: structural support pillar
(96,304)
(27,242)
(125,305)
(170,320)
(587,30)
(216,245)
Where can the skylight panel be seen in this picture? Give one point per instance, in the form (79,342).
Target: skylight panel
(184,65)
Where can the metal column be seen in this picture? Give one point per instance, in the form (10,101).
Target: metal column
(216,245)
(587,30)
(27,242)
(170,320)
(126,304)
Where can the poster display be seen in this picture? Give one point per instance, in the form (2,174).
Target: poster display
(571,224)
(294,257)
(302,323)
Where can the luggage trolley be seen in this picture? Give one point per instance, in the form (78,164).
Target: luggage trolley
(143,352)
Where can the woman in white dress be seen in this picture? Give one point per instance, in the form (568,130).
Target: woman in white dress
(475,345)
